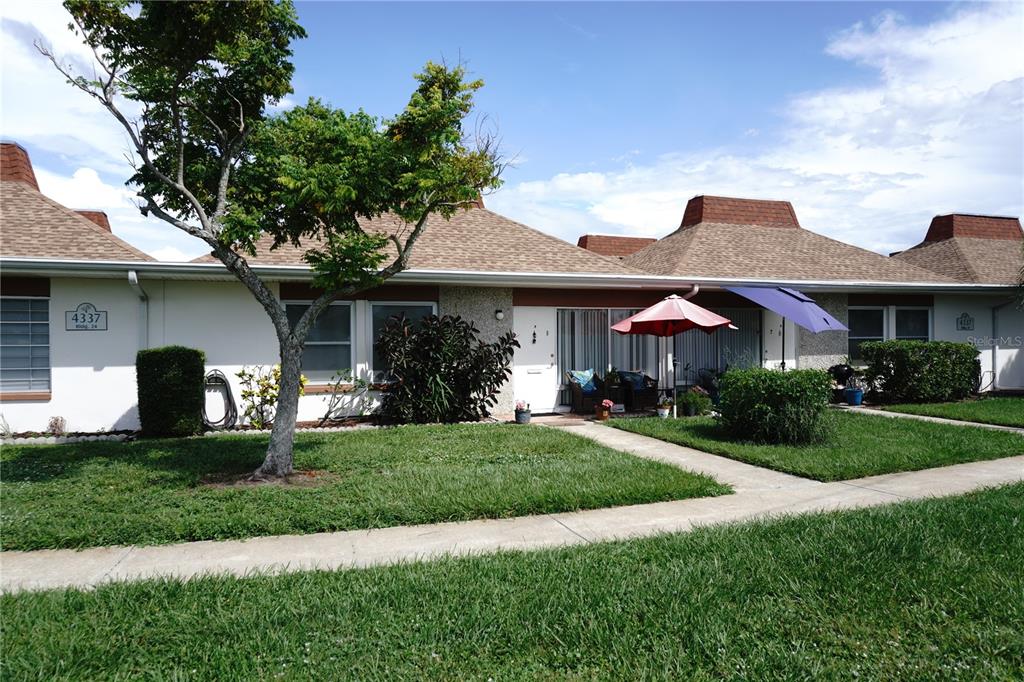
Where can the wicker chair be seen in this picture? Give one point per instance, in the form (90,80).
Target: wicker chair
(583,403)
(645,398)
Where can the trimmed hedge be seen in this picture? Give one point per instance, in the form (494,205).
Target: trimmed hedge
(769,406)
(171,390)
(921,371)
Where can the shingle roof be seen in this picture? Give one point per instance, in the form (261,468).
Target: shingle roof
(35,226)
(766,213)
(613,245)
(978,249)
(752,251)
(476,240)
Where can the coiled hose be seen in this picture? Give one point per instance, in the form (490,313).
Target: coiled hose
(215,379)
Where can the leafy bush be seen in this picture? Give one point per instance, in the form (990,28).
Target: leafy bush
(769,406)
(695,401)
(921,371)
(171,392)
(260,386)
(441,371)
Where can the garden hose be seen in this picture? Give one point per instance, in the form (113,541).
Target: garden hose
(215,379)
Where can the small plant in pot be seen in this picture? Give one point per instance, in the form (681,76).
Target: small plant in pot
(854,391)
(694,402)
(522,412)
(603,409)
(664,407)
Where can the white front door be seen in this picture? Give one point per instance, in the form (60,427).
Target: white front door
(534,369)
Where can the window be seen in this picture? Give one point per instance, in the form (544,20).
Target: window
(329,344)
(381,313)
(24,344)
(866,324)
(913,324)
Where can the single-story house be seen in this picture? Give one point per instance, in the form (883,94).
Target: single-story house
(78,302)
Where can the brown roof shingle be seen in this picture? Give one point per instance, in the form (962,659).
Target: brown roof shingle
(613,245)
(735,211)
(35,226)
(15,165)
(476,240)
(973,226)
(755,251)
(976,249)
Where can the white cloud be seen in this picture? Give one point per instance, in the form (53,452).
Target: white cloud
(940,130)
(172,254)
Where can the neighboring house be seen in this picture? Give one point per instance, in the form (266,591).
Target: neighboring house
(78,302)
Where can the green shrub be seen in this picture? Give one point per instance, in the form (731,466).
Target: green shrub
(769,406)
(695,402)
(441,371)
(171,391)
(921,371)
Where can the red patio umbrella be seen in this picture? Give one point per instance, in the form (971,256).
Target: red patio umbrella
(669,317)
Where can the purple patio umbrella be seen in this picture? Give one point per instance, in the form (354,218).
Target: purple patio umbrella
(791,305)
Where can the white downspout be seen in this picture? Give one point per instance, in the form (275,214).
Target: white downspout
(133,282)
(694,290)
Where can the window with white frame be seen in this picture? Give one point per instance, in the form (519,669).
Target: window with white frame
(24,344)
(380,315)
(865,324)
(329,344)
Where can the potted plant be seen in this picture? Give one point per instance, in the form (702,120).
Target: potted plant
(522,412)
(840,374)
(603,409)
(854,391)
(664,407)
(694,402)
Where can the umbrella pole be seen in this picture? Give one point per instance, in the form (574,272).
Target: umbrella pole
(783,365)
(674,407)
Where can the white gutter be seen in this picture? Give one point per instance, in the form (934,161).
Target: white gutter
(133,282)
(302,273)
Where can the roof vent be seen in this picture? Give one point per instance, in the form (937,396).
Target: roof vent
(708,209)
(98,217)
(973,226)
(15,166)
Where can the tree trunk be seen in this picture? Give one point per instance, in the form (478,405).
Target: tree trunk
(278,462)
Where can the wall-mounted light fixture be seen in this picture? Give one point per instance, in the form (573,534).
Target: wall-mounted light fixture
(499,314)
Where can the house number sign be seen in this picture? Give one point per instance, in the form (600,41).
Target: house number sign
(965,323)
(85,318)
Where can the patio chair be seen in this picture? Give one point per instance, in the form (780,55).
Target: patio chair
(641,391)
(586,388)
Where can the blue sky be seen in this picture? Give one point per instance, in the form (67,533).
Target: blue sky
(870,117)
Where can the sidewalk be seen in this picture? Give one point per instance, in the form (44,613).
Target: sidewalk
(927,418)
(759,493)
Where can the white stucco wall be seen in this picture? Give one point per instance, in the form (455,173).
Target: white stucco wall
(92,373)
(1000,351)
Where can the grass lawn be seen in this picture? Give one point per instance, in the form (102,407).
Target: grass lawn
(921,590)
(863,445)
(1002,411)
(152,492)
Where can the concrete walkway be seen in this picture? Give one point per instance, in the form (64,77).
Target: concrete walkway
(759,493)
(927,418)
(742,477)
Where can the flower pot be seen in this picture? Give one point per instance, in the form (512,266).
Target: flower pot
(601,413)
(854,396)
(522,416)
(663,412)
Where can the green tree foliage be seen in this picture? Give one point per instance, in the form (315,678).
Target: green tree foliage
(213,163)
(441,371)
